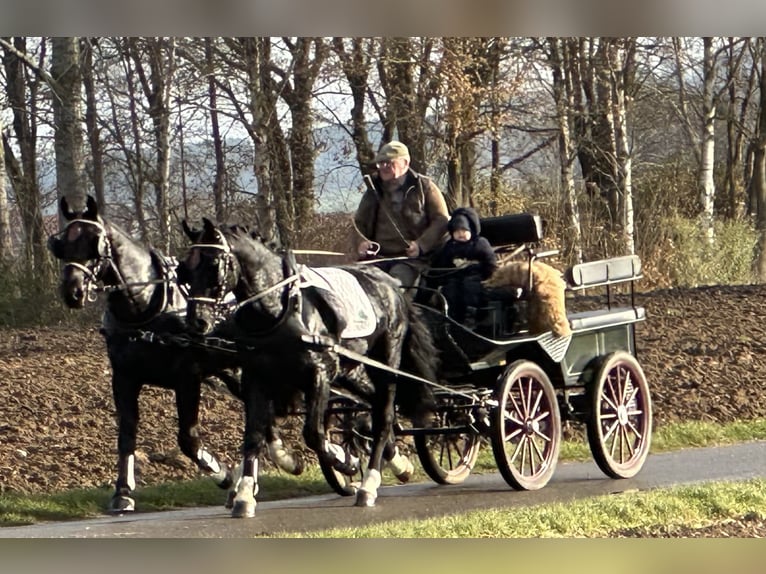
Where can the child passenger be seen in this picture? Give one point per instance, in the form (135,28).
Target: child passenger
(462,264)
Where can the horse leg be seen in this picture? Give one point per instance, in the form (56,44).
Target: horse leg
(285,459)
(257,423)
(317,397)
(382,421)
(187,407)
(125,393)
(236,478)
(399,464)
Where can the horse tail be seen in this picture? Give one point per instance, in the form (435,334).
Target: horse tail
(420,356)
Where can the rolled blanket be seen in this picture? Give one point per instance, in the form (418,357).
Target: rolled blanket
(547,307)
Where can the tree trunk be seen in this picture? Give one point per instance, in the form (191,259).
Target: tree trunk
(22,93)
(67,116)
(5,220)
(92,125)
(759,172)
(707,155)
(565,107)
(219,182)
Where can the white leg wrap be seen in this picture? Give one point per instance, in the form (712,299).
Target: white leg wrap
(130,471)
(371,481)
(280,456)
(399,464)
(236,475)
(247,486)
(340,454)
(209,461)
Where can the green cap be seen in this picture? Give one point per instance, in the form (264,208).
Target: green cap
(392,150)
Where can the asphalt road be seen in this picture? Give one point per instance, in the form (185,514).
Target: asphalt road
(571,481)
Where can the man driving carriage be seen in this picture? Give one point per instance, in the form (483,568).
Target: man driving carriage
(401,214)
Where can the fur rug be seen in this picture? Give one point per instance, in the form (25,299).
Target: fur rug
(547,308)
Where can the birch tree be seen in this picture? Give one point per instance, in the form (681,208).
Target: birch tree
(562,63)
(67,117)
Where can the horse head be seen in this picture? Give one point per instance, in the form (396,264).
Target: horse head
(84,248)
(210,273)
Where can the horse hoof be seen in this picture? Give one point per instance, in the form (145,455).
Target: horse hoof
(364,498)
(230,496)
(227,482)
(122,504)
(242,509)
(406,475)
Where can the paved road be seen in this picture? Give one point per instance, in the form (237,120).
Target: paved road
(571,481)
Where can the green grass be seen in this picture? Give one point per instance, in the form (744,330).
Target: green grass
(602,516)
(18,509)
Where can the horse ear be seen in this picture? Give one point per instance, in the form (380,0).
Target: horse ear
(192,234)
(91,209)
(65,211)
(208,225)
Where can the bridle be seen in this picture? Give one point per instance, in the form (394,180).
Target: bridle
(93,269)
(227,264)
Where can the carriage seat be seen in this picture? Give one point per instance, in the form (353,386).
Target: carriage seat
(603,272)
(513,229)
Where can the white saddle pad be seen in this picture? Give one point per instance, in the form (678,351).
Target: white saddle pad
(347,297)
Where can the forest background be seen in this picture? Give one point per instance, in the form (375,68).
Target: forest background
(647,145)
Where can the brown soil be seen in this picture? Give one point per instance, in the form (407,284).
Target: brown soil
(703,351)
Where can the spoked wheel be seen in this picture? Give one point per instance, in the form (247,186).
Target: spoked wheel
(343,428)
(448,458)
(620,425)
(526,433)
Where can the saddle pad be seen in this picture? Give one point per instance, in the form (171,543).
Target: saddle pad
(343,293)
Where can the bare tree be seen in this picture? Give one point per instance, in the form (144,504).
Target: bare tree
(410,81)
(92,123)
(5,221)
(67,117)
(296,85)
(562,62)
(156,84)
(700,128)
(355,57)
(22,89)
(759,170)
(219,183)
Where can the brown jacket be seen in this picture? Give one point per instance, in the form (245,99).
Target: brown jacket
(423,216)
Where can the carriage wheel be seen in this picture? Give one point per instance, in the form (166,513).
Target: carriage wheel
(620,425)
(448,458)
(341,429)
(526,433)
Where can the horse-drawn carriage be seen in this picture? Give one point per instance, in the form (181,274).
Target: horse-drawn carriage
(501,382)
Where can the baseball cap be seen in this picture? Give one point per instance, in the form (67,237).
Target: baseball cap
(392,150)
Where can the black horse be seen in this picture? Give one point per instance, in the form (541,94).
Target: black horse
(147,339)
(293,325)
